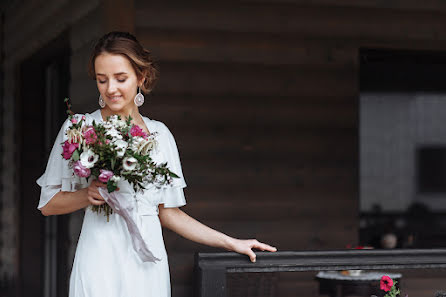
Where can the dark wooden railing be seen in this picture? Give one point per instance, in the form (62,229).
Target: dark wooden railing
(211,268)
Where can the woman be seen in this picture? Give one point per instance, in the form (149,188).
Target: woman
(105,263)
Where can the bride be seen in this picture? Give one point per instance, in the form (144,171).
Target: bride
(105,262)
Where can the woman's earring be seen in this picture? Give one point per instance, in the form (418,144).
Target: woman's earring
(101,101)
(139,98)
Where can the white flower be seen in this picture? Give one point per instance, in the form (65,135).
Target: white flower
(117,122)
(135,142)
(159,179)
(115,178)
(120,147)
(75,136)
(143,146)
(88,158)
(129,163)
(146,146)
(121,124)
(115,134)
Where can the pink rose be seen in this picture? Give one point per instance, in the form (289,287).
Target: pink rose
(105,175)
(137,131)
(74,121)
(90,136)
(83,117)
(68,149)
(80,170)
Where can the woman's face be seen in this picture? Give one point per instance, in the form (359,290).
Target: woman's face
(116,80)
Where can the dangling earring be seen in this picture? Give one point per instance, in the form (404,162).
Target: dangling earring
(101,101)
(139,98)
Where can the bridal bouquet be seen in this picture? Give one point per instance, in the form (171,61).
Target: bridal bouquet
(112,151)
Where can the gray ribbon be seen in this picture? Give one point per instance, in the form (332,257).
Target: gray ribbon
(122,205)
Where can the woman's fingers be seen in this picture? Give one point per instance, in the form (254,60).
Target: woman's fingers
(254,243)
(94,196)
(246,246)
(94,193)
(252,256)
(96,202)
(98,184)
(264,247)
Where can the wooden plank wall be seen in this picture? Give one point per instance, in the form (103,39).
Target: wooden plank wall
(265,120)
(262,97)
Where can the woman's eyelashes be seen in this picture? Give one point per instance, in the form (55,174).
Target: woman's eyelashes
(119,80)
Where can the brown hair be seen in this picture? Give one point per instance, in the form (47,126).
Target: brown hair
(124,43)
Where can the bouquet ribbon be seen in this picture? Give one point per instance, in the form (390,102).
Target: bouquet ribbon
(124,206)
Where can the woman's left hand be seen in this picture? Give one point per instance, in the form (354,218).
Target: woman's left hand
(245,246)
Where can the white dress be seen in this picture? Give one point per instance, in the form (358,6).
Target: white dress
(105,262)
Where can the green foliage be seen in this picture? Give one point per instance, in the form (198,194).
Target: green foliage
(111,186)
(394,291)
(75,156)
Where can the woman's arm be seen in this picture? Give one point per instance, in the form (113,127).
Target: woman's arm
(68,202)
(186,226)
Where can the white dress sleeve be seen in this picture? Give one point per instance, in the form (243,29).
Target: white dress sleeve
(57,176)
(172,196)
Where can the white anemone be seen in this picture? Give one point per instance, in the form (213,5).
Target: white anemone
(129,163)
(88,158)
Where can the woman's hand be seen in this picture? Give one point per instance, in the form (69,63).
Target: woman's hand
(178,221)
(245,246)
(93,193)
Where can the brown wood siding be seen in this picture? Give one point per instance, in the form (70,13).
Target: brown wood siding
(262,101)
(262,97)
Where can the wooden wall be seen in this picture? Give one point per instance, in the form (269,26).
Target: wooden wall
(262,97)
(265,119)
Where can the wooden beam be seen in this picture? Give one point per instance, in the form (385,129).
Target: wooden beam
(210,267)
(324,260)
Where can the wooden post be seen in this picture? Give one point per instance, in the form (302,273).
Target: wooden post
(210,281)
(213,283)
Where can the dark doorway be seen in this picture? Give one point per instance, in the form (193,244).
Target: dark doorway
(43,79)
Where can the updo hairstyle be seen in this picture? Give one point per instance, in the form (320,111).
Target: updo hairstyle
(124,43)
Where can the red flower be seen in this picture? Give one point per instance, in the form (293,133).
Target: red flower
(137,131)
(386,283)
(68,149)
(90,136)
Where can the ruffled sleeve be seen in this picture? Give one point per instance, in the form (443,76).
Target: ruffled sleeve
(58,176)
(172,196)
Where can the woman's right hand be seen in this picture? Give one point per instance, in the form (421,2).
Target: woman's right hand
(93,193)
